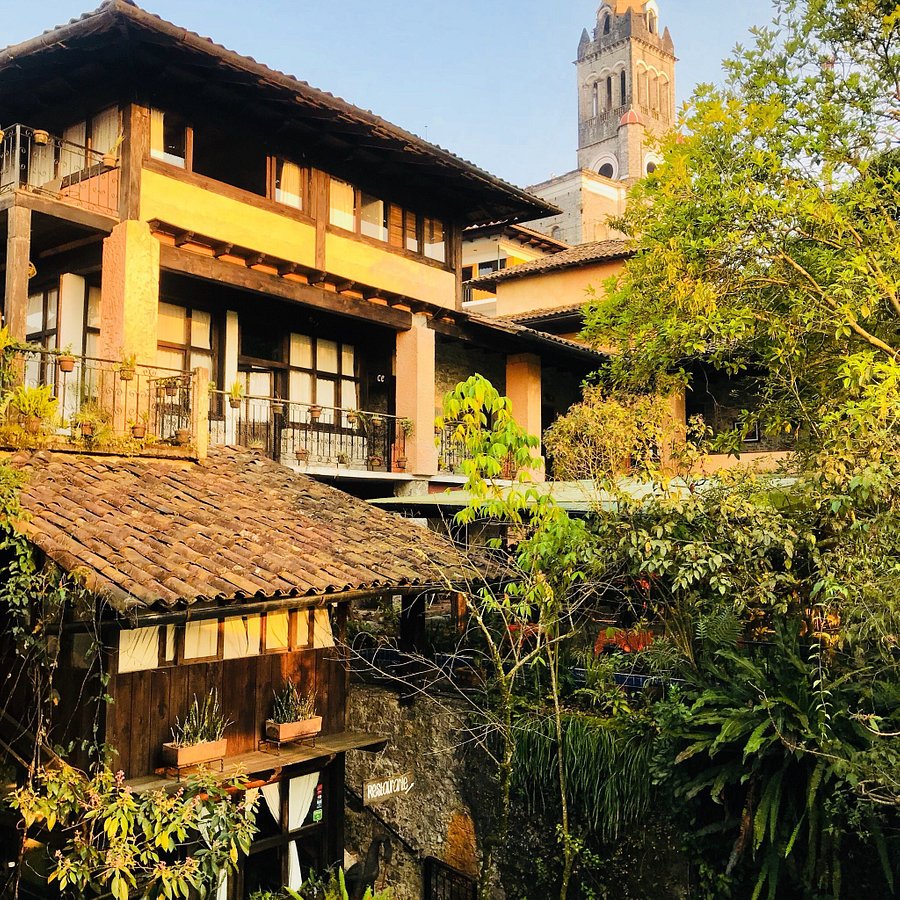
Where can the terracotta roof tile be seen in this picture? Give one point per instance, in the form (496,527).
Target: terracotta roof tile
(583,254)
(165,533)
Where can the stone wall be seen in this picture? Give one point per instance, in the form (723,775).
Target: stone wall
(455,362)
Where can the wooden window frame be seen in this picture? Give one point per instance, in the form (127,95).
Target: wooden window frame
(188,348)
(180,641)
(265,650)
(272,177)
(337,377)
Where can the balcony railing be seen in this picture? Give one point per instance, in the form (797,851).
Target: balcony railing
(305,435)
(36,161)
(452,453)
(55,400)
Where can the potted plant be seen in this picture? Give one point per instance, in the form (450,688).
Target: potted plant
(127,367)
(376,461)
(201,737)
(353,417)
(277,407)
(170,386)
(401,462)
(34,405)
(182,437)
(92,420)
(111,158)
(315,412)
(302,454)
(139,428)
(40,137)
(293,716)
(377,420)
(66,361)
(235,395)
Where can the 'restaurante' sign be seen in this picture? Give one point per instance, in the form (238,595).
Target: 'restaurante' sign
(377,789)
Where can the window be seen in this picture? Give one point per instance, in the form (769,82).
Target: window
(606,24)
(467,273)
(91,321)
(169,138)
(323,372)
(278,630)
(373,221)
(243,636)
(652,22)
(607,170)
(41,324)
(141,649)
(185,339)
(595,100)
(433,237)
(201,640)
(623,82)
(609,93)
(367,215)
(289,188)
(342,206)
(494,265)
(651,168)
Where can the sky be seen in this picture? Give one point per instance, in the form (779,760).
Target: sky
(491,80)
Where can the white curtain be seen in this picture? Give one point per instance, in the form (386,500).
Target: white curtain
(322,635)
(289,187)
(342,207)
(105,130)
(301,792)
(272,795)
(201,639)
(242,636)
(71,156)
(222,891)
(277,630)
(157,133)
(138,649)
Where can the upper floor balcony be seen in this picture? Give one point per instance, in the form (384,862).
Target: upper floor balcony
(37,162)
(57,401)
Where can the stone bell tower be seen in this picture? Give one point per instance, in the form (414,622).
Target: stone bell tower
(626,89)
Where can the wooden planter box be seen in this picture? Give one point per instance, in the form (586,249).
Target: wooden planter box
(195,755)
(284,732)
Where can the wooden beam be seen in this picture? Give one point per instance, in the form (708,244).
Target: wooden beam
(71,245)
(194,265)
(183,237)
(222,250)
(288,268)
(68,212)
(18,258)
(255,259)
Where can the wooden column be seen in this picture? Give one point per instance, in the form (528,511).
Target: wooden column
(18,257)
(131,157)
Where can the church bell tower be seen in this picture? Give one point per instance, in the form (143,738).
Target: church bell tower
(626,89)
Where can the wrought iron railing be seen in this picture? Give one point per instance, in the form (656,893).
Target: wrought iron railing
(51,397)
(34,160)
(301,435)
(452,453)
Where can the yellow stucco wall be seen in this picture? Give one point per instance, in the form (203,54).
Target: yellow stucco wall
(366,264)
(551,290)
(224,218)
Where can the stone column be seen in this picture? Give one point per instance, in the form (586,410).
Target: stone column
(523,387)
(415,395)
(18,257)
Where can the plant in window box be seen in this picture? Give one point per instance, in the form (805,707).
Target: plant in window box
(127,367)
(353,417)
(277,407)
(315,412)
(33,406)
(376,461)
(170,386)
(235,395)
(293,716)
(377,420)
(40,137)
(182,437)
(66,361)
(200,738)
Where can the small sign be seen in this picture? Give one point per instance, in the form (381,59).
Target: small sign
(377,789)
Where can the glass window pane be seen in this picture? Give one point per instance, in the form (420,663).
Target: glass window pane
(105,130)
(259,384)
(52,308)
(202,361)
(347,356)
(326,356)
(288,183)
(242,636)
(301,351)
(342,209)
(277,630)
(201,639)
(171,328)
(93,310)
(435,247)
(168,137)
(138,649)
(91,344)
(170,643)
(349,399)
(300,387)
(34,320)
(170,359)
(325,397)
(412,233)
(303,634)
(201,329)
(373,217)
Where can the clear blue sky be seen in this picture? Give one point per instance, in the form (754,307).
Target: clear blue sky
(491,80)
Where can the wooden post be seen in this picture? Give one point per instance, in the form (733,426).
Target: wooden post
(137,130)
(200,412)
(18,257)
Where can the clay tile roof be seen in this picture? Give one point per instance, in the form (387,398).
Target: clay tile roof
(145,533)
(583,254)
(631,118)
(549,312)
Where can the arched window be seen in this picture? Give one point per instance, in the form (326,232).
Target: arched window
(607,170)
(652,23)
(606,24)
(595,100)
(556,233)
(664,99)
(622,87)
(651,168)
(654,94)
(609,92)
